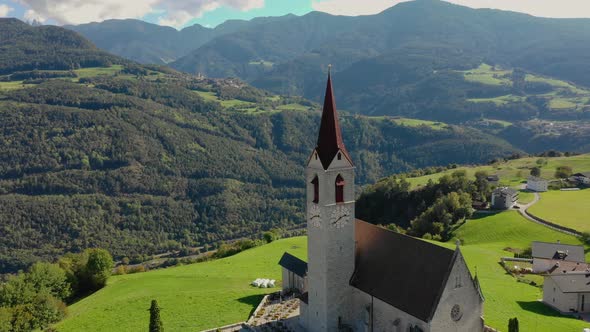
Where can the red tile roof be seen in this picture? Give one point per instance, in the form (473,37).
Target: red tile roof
(330,136)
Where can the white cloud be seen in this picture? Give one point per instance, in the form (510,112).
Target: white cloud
(180,12)
(5,10)
(31,15)
(544,8)
(175,12)
(353,7)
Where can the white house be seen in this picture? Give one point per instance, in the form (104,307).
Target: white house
(504,198)
(567,292)
(361,277)
(537,184)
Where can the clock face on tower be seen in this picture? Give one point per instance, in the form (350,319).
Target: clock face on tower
(340,216)
(314,217)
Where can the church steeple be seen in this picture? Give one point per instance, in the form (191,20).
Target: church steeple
(330,136)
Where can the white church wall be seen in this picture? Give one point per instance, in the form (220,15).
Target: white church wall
(460,291)
(384,316)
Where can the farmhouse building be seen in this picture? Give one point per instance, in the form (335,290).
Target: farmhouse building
(567,292)
(361,277)
(547,256)
(504,198)
(537,184)
(581,178)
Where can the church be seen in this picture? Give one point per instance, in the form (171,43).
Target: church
(361,277)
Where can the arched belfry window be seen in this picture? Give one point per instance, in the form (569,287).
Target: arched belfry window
(339,189)
(316,189)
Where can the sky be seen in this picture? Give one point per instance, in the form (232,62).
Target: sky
(182,13)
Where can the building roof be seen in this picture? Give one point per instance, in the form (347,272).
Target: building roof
(293,264)
(572,282)
(493,178)
(535,178)
(505,191)
(584,174)
(558,251)
(561,267)
(330,136)
(407,273)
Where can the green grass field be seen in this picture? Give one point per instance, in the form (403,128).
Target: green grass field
(417,123)
(485,74)
(567,208)
(563,96)
(515,172)
(206,295)
(192,297)
(485,239)
(13,85)
(98,71)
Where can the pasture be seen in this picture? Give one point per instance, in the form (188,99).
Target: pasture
(561,95)
(485,239)
(191,297)
(205,295)
(567,208)
(513,173)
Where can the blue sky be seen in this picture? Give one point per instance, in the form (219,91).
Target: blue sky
(181,13)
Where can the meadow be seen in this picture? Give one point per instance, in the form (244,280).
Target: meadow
(514,173)
(567,208)
(562,96)
(216,293)
(485,238)
(192,297)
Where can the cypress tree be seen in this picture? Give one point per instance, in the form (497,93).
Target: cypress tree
(155,321)
(513,324)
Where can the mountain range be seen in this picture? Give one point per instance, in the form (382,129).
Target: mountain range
(403,58)
(141,159)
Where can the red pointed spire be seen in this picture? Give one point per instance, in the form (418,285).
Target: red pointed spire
(330,136)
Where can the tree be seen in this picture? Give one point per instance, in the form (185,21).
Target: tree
(513,324)
(155,321)
(484,189)
(49,277)
(98,268)
(535,171)
(563,172)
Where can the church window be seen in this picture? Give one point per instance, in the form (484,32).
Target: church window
(316,189)
(339,156)
(458,282)
(339,189)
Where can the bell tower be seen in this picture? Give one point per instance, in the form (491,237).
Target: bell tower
(330,224)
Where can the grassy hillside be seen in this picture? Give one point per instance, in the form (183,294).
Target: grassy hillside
(192,298)
(567,208)
(515,172)
(215,293)
(557,95)
(485,240)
